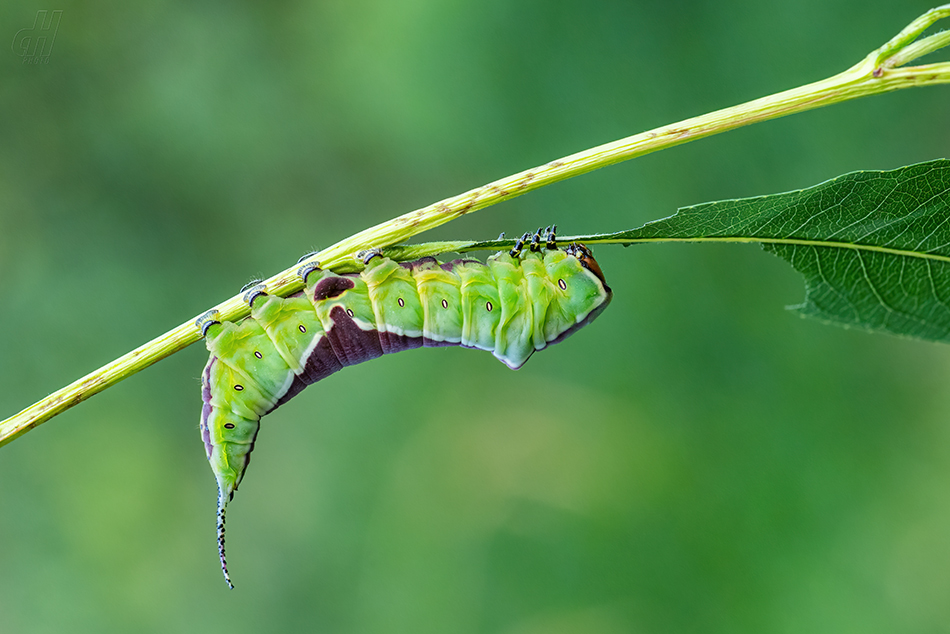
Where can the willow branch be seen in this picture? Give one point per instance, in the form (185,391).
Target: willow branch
(880,72)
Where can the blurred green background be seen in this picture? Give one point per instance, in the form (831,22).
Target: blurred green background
(699,460)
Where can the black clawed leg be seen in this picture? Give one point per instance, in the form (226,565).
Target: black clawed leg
(501,236)
(519,245)
(536,241)
(307,256)
(551,238)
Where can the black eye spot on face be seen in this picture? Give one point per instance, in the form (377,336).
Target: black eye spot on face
(349,312)
(445,304)
(562,284)
(401,302)
(258,355)
(301,328)
(229,425)
(238,387)
(488,306)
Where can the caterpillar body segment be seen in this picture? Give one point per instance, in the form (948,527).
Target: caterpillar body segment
(512,305)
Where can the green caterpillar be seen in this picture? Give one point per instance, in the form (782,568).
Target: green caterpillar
(515,303)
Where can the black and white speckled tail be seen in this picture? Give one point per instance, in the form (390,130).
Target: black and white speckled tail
(224,563)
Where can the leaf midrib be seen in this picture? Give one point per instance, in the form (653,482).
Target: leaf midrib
(793,241)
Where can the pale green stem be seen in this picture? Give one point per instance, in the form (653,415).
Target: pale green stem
(900,50)
(879,72)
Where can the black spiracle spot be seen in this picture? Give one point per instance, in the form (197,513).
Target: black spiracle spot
(445,304)
(238,387)
(349,312)
(562,284)
(488,306)
(401,302)
(301,328)
(258,355)
(229,425)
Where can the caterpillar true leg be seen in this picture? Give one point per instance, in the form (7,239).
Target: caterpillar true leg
(519,245)
(536,242)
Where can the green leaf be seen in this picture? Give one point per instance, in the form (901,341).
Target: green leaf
(874,247)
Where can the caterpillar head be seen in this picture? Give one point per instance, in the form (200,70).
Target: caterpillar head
(586,257)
